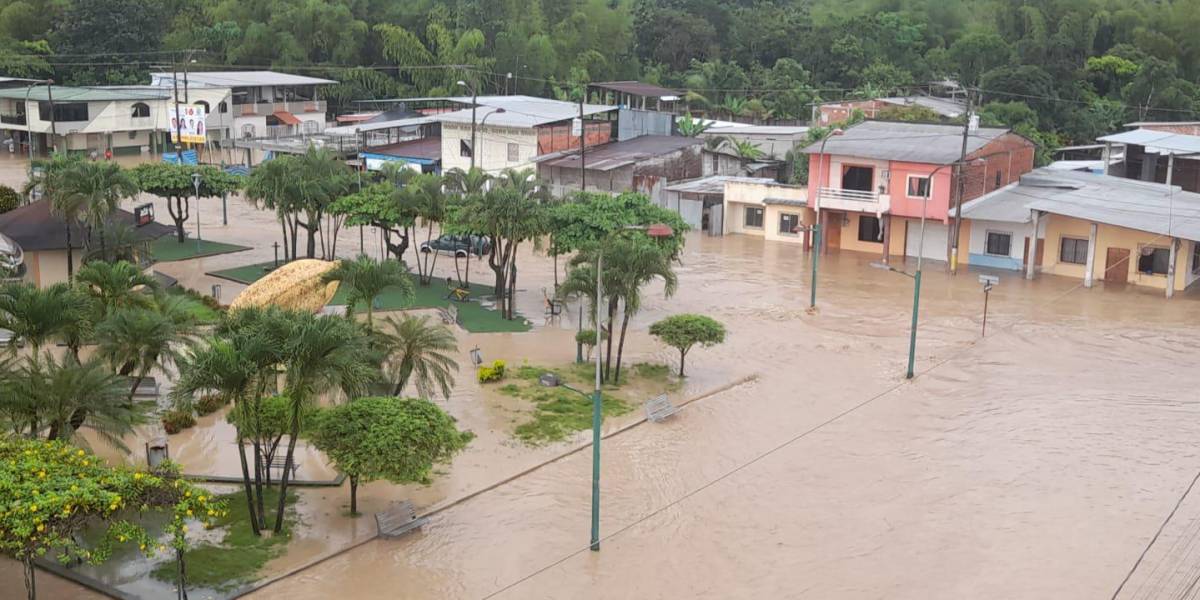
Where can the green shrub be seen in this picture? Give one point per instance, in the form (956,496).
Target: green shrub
(9,199)
(495,372)
(207,405)
(176,420)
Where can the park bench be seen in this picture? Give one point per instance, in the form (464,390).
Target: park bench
(449,314)
(398,520)
(458,294)
(148,388)
(659,408)
(553,307)
(278,463)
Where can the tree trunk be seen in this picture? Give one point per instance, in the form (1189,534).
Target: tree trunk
(612,315)
(311,249)
(293,433)
(354,494)
(682,355)
(182,572)
(70,254)
(406,368)
(30,577)
(621,348)
(241,441)
(467,280)
(295,237)
(136,382)
(179,211)
(283,226)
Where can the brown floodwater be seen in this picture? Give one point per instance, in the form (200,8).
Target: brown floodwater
(1037,462)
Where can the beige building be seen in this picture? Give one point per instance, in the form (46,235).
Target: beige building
(774,211)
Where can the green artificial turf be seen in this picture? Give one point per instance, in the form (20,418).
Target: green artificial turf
(471,315)
(168,249)
(203,313)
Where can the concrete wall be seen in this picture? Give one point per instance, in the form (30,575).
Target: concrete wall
(911,206)
(740,195)
(492,153)
(1108,236)
(632,123)
(48,267)
(977,245)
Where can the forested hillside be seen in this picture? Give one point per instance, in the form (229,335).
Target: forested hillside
(1074,68)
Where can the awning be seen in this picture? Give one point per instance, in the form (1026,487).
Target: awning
(286,117)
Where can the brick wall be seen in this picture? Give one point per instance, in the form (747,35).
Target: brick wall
(1008,156)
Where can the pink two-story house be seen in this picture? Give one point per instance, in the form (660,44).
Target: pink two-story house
(871,182)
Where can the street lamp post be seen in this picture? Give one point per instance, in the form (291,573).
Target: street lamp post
(482,122)
(474,105)
(816,229)
(196,184)
(657,230)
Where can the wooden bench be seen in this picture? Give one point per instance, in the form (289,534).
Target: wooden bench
(278,462)
(659,408)
(398,520)
(449,314)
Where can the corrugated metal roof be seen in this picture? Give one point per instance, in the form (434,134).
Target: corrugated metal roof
(521,111)
(1139,205)
(614,155)
(714,184)
(909,142)
(428,148)
(743,129)
(79,94)
(1157,142)
(374,126)
(33,227)
(239,78)
(946,107)
(785,201)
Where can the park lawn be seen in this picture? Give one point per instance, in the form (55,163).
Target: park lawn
(241,554)
(471,315)
(559,412)
(168,249)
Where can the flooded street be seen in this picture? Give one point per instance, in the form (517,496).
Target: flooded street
(1037,462)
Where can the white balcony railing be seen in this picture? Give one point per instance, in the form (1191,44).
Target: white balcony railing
(848,195)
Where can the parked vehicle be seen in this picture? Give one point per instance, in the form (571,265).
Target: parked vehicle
(459,245)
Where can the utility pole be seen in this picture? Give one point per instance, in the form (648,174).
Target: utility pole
(53,121)
(175,114)
(582,143)
(961,186)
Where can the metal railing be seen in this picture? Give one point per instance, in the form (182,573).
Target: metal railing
(268,108)
(13,119)
(848,195)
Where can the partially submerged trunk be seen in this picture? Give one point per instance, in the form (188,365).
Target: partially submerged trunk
(612,315)
(354,494)
(254,522)
(294,432)
(621,348)
(180,210)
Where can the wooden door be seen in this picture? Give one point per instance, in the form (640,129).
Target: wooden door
(833,230)
(1041,253)
(1116,265)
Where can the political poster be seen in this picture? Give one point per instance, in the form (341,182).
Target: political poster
(187,122)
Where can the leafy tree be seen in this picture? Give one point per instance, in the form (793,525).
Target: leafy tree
(38,316)
(109,32)
(912,114)
(116,285)
(136,341)
(97,189)
(175,184)
(428,197)
(398,440)
(743,149)
(54,491)
(977,53)
(422,352)
(365,279)
(52,178)
(588,219)
(689,127)
(9,199)
(384,206)
(684,331)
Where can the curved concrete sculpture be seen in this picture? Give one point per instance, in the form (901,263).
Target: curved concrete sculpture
(294,286)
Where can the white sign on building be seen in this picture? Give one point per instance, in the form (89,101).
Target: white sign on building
(187,122)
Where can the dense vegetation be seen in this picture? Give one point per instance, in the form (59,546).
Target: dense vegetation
(1082,66)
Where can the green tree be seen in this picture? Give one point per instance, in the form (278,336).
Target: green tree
(51,178)
(689,127)
(428,197)
(365,279)
(54,491)
(38,316)
(116,285)
(398,440)
(9,199)
(384,206)
(977,53)
(97,189)
(421,352)
(684,331)
(57,397)
(175,183)
(136,341)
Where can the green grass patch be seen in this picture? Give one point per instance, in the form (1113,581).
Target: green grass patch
(195,304)
(241,554)
(559,412)
(168,249)
(652,371)
(473,316)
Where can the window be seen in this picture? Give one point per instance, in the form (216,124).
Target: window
(1073,250)
(1153,260)
(716,163)
(999,177)
(918,187)
(207,108)
(140,110)
(789,224)
(464,148)
(71,111)
(223,107)
(998,243)
(869,229)
(1196,257)
(754,217)
(514,153)
(857,178)
(133,135)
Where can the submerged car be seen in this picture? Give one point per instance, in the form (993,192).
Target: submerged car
(459,245)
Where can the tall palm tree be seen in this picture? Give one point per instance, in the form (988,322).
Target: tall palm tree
(637,261)
(56,392)
(690,127)
(37,316)
(422,352)
(366,279)
(744,149)
(271,187)
(466,185)
(52,177)
(97,188)
(321,353)
(117,285)
(429,197)
(136,341)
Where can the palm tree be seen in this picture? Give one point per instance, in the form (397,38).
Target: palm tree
(732,106)
(53,178)
(117,285)
(97,189)
(366,279)
(744,149)
(320,353)
(37,316)
(136,341)
(422,352)
(430,199)
(689,127)
(467,184)
(57,393)
(271,187)
(637,262)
